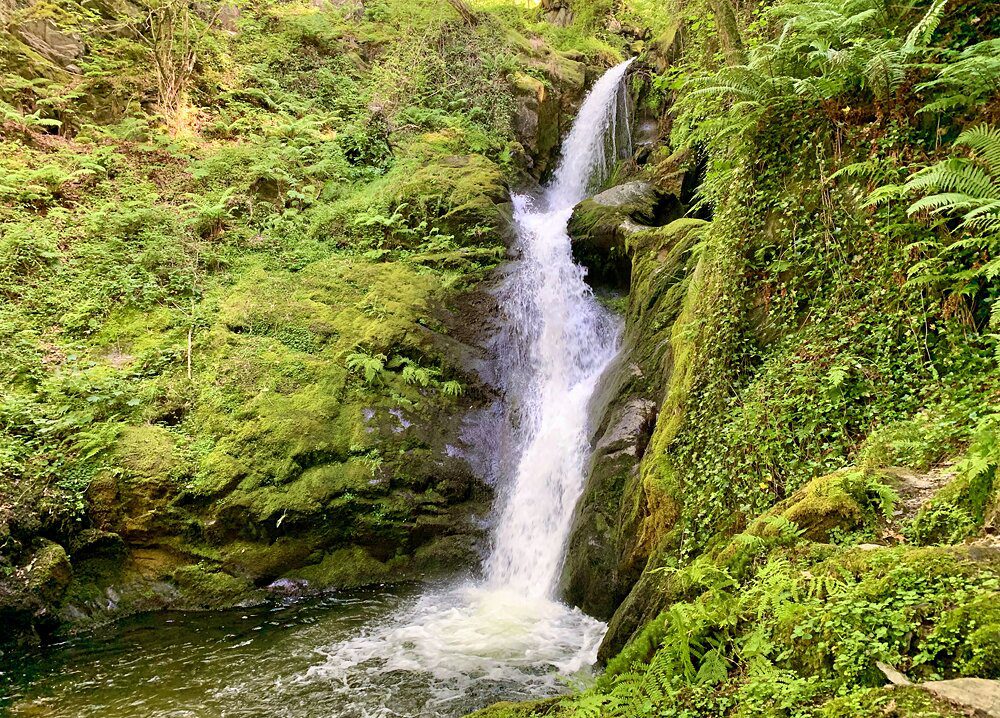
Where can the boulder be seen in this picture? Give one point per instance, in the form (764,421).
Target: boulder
(600,227)
(979,697)
(31,594)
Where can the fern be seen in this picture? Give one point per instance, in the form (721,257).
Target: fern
(452,388)
(826,49)
(970,78)
(922,32)
(370,366)
(968,188)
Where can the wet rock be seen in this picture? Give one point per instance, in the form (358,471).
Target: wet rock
(31,594)
(288,588)
(545,108)
(596,578)
(610,541)
(629,432)
(204,587)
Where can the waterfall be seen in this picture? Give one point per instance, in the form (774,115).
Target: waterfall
(463,646)
(568,340)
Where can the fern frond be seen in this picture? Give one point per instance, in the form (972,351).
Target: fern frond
(955,175)
(984,141)
(923,30)
(944,202)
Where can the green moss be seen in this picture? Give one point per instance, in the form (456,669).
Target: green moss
(205,587)
(966,639)
(150,453)
(823,505)
(527,709)
(347,568)
(908,702)
(265,561)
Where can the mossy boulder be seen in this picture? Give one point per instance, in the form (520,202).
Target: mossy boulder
(819,508)
(137,505)
(600,227)
(31,593)
(345,568)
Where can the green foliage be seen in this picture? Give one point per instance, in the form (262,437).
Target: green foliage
(368,365)
(803,364)
(965,79)
(190,308)
(825,50)
(969,188)
(802,629)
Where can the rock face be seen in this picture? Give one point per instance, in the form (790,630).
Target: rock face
(607,547)
(558,12)
(545,109)
(597,540)
(44,37)
(600,227)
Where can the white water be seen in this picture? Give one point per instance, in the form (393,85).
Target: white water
(507,636)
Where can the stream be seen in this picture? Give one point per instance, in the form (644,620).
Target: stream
(441,650)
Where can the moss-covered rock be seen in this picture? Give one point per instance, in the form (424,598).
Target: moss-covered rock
(345,568)
(608,550)
(204,587)
(819,508)
(32,592)
(546,98)
(602,226)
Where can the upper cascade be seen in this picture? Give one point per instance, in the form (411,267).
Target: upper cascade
(564,341)
(591,148)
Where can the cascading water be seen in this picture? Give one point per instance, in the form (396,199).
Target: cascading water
(464,646)
(569,340)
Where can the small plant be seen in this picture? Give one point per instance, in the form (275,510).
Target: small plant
(452,388)
(370,366)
